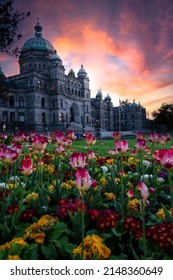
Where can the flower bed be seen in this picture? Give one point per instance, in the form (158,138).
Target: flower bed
(63,204)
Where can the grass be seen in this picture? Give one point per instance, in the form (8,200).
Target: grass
(103,146)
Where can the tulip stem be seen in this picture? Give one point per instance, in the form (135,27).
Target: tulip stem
(143,229)
(82,226)
(171,187)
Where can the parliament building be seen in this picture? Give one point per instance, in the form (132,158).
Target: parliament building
(43,98)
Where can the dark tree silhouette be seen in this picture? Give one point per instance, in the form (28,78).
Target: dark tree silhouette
(9,20)
(163,117)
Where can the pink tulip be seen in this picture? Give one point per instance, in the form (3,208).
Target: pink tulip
(67,142)
(91,155)
(8,156)
(70,134)
(27,166)
(116,135)
(90,139)
(140,145)
(153,137)
(165,158)
(113,152)
(39,143)
(83,180)
(59,149)
(140,135)
(143,189)
(77,160)
(122,146)
(59,138)
(17,147)
(20,137)
(130,193)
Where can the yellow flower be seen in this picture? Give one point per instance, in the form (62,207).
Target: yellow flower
(103,181)
(117,180)
(110,161)
(50,168)
(110,196)
(161,214)
(31,196)
(130,185)
(20,241)
(43,224)
(133,204)
(93,245)
(11,186)
(39,237)
(51,188)
(66,186)
(14,257)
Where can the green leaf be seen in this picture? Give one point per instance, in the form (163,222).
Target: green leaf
(56,231)
(15,249)
(2,255)
(168,217)
(134,253)
(49,251)
(64,247)
(117,234)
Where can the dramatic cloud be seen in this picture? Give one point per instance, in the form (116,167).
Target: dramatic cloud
(126,46)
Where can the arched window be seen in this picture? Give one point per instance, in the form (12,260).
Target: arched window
(43,102)
(11,101)
(39,84)
(21,101)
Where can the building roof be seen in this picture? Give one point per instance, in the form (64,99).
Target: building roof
(82,71)
(38,42)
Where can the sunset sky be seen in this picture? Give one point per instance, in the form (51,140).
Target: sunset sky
(126,46)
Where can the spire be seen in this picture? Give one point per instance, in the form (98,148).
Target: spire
(38,30)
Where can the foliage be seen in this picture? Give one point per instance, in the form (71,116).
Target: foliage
(9,21)
(126,213)
(163,117)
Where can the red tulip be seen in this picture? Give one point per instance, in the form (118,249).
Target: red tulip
(122,146)
(77,160)
(165,158)
(83,180)
(27,166)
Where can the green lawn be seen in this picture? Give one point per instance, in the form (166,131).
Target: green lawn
(103,146)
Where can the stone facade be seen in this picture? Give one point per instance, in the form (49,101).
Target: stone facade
(130,116)
(42,97)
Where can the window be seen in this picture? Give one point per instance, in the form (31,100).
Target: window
(21,101)
(39,84)
(43,102)
(4,102)
(61,117)
(61,104)
(53,117)
(21,117)
(11,101)
(43,116)
(12,117)
(5,116)
(53,104)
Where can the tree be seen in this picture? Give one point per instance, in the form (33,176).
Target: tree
(163,117)
(9,20)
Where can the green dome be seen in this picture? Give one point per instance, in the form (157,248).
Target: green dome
(38,42)
(134,104)
(55,56)
(99,94)
(108,98)
(82,72)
